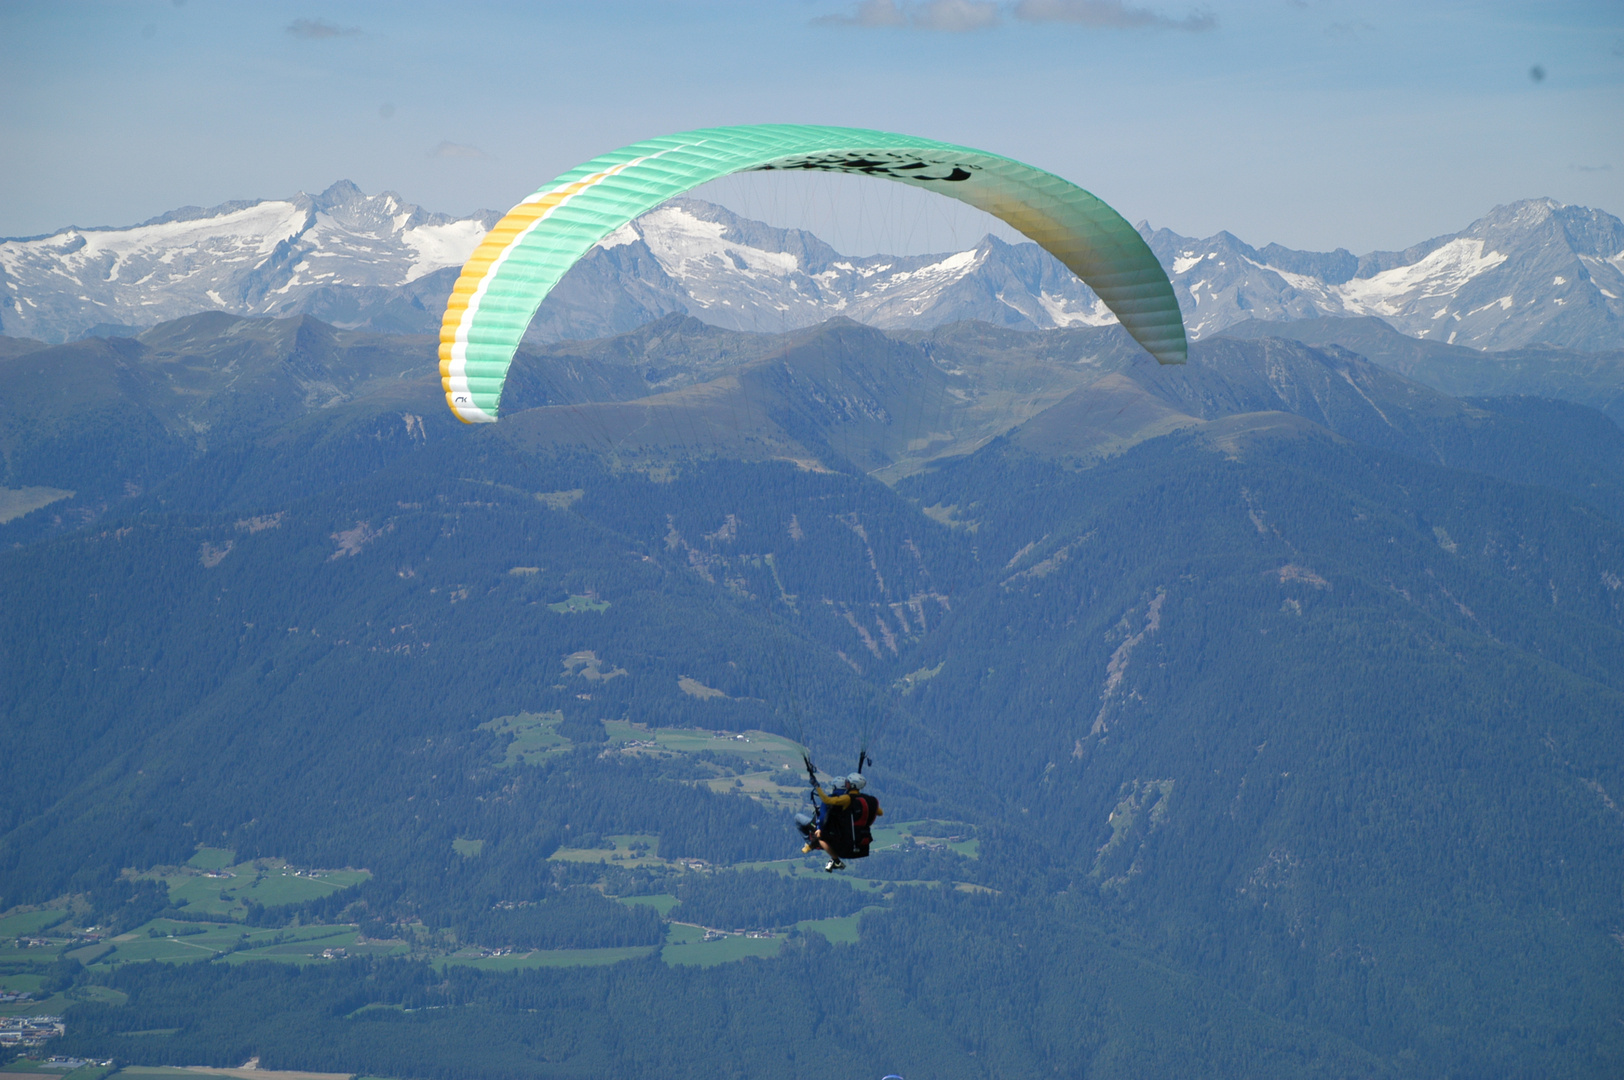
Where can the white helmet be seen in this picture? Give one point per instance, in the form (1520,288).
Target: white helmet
(856,782)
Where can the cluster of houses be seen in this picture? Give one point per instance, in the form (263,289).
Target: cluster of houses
(719,935)
(29,1030)
(8,997)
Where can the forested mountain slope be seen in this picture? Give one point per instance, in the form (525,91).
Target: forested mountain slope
(1594,379)
(1282,694)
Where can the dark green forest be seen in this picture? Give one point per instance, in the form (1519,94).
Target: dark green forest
(1266,722)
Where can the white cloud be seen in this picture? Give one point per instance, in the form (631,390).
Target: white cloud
(317,29)
(953,16)
(1357,28)
(457,150)
(1109,14)
(868,13)
(959,16)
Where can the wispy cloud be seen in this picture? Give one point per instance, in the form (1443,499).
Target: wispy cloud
(319,29)
(457,150)
(959,16)
(953,16)
(1591,168)
(868,13)
(1110,15)
(1356,28)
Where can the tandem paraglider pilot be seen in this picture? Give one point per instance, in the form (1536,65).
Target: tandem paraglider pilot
(843,822)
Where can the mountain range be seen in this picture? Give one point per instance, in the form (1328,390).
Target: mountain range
(1253,717)
(1532,272)
(1280,691)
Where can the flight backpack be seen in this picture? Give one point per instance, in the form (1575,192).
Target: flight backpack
(864,809)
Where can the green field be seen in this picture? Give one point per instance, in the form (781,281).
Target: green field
(305,944)
(16,984)
(269,883)
(171,1072)
(89,954)
(212,858)
(53,1005)
(29,956)
(660,902)
(83,1072)
(840,931)
(30,922)
(549,958)
(15,502)
(177,943)
(758,747)
(686,946)
(622,854)
(925,833)
(768,757)
(91,1072)
(534,735)
(24,1065)
(184,947)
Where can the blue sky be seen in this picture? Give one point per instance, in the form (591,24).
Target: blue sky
(1312,123)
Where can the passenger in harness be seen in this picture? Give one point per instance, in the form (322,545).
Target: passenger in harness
(844,822)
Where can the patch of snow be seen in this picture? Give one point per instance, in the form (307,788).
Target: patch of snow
(1441,273)
(682,243)
(1060,311)
(1312,286)
(953,267)
(1184,263)
(258,228)
(619,238)
(1504,304)
(435,247)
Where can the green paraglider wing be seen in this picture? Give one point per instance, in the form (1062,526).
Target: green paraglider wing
(529,250)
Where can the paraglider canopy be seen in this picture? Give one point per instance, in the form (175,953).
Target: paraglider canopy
(529,250)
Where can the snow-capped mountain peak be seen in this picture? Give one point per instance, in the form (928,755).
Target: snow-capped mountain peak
(1532,271)
(250,258)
